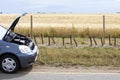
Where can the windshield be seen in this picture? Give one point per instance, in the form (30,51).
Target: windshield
(2,32)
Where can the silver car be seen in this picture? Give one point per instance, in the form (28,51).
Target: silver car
(16,50)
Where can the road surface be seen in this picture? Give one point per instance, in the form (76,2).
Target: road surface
(59,76)
(53,73)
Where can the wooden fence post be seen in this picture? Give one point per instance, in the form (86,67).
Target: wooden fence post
(115,41)
(35,39)
(101,41)
(103,29)
(31,23)
(110,40)
(42,39)
(90,41)
(53,40)
(49,40)
(75,42)
(63,40)
(71,40)
(94,41)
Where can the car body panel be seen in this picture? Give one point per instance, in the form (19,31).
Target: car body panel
(12,46)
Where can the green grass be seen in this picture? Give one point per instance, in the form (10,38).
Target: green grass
(86,56)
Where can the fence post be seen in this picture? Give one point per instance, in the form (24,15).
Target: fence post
(53,39)
(103,29)
(114,41)
(75,42)
(35,40)
(31,23)
(94,41)
(71,40)
(63,40)
(110,40)
(42,39)
(90,41)
(49,40)
(101,41)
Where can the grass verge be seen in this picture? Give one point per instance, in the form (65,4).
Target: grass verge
(86,56)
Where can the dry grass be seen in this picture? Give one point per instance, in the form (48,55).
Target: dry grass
(66,24)
(84,56)
(69,31)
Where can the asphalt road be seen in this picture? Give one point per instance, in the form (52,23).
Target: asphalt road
(28,74)
(59,76)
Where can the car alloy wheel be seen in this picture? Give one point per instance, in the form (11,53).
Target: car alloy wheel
(9,64)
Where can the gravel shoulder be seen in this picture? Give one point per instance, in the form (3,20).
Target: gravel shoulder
(70,69)
(74,69)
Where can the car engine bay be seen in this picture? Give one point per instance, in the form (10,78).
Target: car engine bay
(19,39)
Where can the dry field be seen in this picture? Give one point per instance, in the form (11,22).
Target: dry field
(66,24)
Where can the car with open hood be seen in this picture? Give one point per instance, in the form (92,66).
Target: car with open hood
(16,50)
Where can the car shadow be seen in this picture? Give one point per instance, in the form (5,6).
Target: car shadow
(21,73)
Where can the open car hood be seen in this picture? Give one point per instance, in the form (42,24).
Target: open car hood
(14,23)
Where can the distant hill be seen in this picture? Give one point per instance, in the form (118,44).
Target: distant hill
(118,12)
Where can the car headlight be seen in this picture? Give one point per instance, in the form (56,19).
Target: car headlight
(24,49)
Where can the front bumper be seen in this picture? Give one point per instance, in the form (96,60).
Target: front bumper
(28,59)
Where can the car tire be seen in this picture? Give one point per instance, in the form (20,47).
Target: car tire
(9,64)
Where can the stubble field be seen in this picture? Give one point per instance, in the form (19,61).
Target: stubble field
(66,24)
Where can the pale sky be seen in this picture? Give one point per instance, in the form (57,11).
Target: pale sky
(60,6)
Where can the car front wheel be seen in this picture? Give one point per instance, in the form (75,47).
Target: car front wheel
(9,64)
